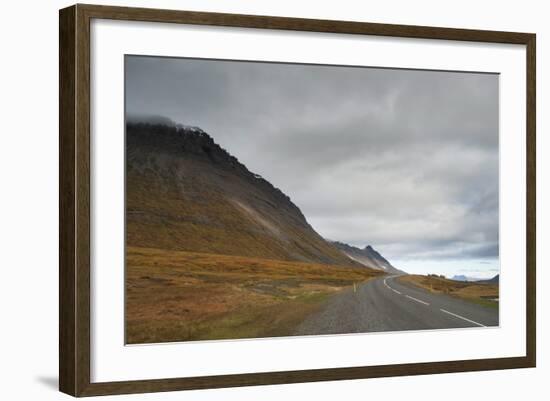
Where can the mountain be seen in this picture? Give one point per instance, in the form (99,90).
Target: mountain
(184,192)
(461,277)
(367,256)
(494,280)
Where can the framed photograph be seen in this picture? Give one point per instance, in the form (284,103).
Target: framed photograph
(250,200)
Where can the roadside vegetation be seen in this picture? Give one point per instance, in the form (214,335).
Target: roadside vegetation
(181,296)
(478,292)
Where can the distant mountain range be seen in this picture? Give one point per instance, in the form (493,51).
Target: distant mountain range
(367,256)
(185,192)
(461,277)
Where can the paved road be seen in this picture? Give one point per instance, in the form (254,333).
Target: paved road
(386,304)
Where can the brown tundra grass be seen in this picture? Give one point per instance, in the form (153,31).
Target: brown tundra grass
(182,296)
(481,293)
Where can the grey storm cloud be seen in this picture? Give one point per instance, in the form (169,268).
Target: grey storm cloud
(405,160)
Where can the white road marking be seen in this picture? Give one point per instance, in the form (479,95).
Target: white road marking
(417,300)
(426,303)
(408,296)
(461,317)
(391,288)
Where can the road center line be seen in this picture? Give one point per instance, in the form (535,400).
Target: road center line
(391,288)
(462,317)
(417,300)
(426,303)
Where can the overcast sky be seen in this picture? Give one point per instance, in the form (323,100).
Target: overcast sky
(406,161)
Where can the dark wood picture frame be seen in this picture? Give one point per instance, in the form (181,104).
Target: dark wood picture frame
(74,206)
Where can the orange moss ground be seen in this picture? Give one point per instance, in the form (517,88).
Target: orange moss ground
(486,294)
(181,296)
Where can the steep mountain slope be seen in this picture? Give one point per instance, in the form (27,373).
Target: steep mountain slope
(367,256)
(185,193)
